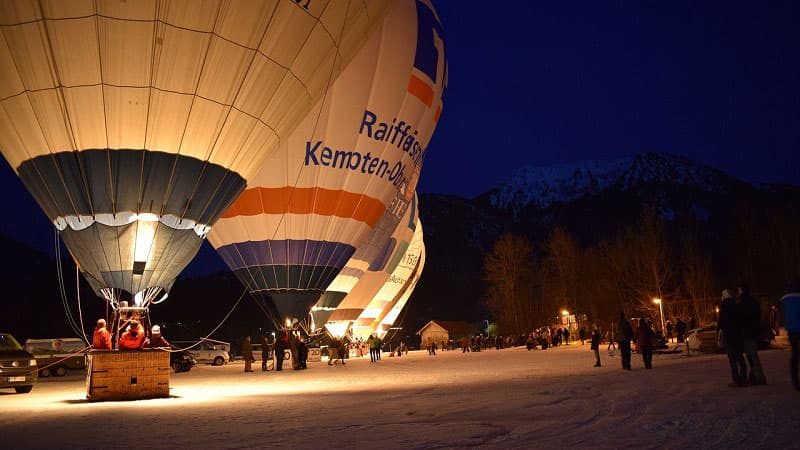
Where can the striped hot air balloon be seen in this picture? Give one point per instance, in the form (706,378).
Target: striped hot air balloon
(136,124)
(317,200)
(402,268)
(390,317)
(370,266)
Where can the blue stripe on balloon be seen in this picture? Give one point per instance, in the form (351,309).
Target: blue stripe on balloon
(286,252)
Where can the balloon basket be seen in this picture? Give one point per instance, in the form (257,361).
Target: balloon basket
(127,375)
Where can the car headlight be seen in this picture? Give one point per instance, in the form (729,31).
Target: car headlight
(32,363)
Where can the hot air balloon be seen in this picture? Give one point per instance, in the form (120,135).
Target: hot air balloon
(390,316)
(316,201)
(373,262)
(402,267)
(135,124)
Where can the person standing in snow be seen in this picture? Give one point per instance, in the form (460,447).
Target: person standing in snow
(680,329)
(791,318)
(624,336)
(596,345)
(729,327)
(247,354)
(582,335)
(751,333)
(566,336)
(669,330)
(645,342)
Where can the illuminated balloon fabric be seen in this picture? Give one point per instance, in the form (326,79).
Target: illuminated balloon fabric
(317,200)
(377,268)
(404,265)
(394,312)
(135,124)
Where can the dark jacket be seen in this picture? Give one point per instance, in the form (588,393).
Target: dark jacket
(646,335)
(625,331)
(730,322)
(595,339)
(751,317)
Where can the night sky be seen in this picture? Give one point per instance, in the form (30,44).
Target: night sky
(537,83)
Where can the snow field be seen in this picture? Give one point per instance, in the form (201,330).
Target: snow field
(511,398)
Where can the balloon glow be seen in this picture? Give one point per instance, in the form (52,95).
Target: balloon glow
(315,202)
(135,125)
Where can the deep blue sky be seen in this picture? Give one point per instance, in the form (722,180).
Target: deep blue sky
(553,82)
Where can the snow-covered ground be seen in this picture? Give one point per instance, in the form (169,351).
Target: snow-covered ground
(511,398)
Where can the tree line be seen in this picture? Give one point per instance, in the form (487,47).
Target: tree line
(685,262)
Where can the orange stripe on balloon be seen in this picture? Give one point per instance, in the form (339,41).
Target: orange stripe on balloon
(418,88)
(438,113)
(325,202)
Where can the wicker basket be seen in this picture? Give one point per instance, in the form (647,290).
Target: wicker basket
(127,375)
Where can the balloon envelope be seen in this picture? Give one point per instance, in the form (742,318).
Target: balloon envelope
(314,202)
(136,124)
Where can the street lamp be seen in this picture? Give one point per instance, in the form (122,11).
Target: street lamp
(661,308)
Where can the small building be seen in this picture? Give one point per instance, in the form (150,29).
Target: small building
(442,330)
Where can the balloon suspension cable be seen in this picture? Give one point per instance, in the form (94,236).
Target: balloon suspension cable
(244,292)
(78,330)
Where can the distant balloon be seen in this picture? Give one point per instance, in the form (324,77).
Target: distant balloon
(136,124)
(394,286)
(390,317)
(361,147)
(369,268)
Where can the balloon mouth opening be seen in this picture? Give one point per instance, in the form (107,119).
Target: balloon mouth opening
(82,222)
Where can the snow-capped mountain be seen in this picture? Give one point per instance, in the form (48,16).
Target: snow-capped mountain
(543,186)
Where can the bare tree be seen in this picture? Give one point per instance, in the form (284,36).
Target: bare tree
(508,273)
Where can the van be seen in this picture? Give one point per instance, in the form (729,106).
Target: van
(55,356)
(208,351)
(17,367)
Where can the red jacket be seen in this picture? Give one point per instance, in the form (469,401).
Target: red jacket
(132,341)
(101,339)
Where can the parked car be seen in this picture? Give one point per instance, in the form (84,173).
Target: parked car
(208,351)
(17,367)
(702,339)
(181,361)
(56,356)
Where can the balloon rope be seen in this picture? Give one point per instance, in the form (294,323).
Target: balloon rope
(80,310)
(244,291)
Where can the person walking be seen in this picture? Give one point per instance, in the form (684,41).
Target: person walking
(596,345)
(612,338)
(791,318)
(247,354)
(582,335)
(624,338)
(566,336)
(645,342)
(371,345)
(729,329)
(680,329)
(669,331)
(751,333)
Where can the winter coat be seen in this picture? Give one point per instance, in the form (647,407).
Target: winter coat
(595,339)
(101,339)
(625,332)
(646,335)
(156,341)
(730,322)
(751,317)
(247,351)
(791,311)
(132,339)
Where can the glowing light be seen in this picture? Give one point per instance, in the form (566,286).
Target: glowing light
(145,234)
(657,301)
(564,312)
(337,329)
(288,322)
